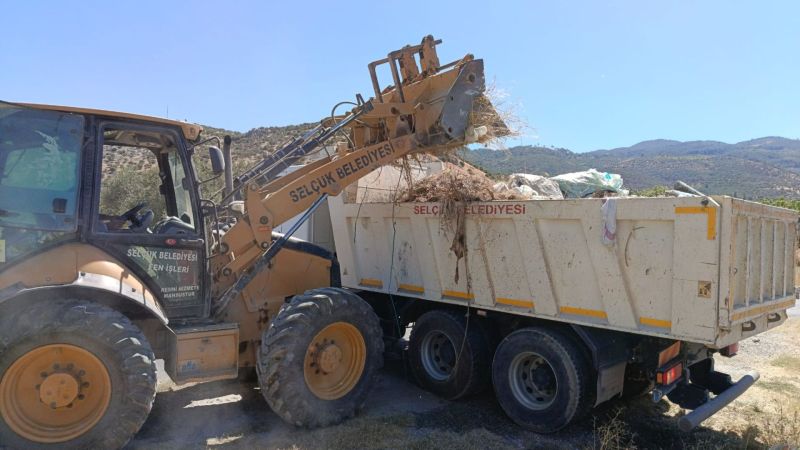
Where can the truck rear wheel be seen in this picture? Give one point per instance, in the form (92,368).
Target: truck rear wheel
(74,375)
(542,379)
(449,356)
(319,357)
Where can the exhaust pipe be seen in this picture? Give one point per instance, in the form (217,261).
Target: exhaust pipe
(226,155)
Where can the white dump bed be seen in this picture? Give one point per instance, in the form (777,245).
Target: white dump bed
(677,268)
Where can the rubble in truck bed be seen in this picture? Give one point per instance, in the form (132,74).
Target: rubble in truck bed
(456,185)
(468,184)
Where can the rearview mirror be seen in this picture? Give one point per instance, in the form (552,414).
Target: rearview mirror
(217,161)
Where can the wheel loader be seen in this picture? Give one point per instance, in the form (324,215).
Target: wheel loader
(94,287)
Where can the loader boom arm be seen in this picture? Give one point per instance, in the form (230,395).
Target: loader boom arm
(424,111)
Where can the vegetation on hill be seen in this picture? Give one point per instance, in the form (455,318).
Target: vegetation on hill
(782,202)
(765,168)
(761,168)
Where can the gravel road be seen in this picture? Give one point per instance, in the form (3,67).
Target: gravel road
(233,415)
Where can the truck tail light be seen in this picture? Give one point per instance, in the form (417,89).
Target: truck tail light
(669,353)
(670,375)
(730,350)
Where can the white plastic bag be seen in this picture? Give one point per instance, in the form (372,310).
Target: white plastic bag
(583,184)
(536,186)
(609,210)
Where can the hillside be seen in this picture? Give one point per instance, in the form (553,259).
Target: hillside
(258,142)
(765,167)
(754,169)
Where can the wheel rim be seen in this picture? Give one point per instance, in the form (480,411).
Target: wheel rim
(55,393)
(335,361)
(533,381)
(438,355)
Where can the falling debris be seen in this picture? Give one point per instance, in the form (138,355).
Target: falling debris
(453,189)
(493,119)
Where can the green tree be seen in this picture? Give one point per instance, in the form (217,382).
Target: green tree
(127,187)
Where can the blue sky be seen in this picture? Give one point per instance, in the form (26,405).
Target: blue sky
(583,75)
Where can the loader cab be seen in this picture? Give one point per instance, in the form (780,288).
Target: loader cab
(145,210)
(119,182)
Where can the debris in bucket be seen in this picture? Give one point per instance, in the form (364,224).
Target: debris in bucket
(492,119)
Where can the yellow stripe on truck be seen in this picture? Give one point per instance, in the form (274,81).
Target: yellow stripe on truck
(762,309)
(584,312)
(458,294)
(371,282)
(515,302)
(411,288)
(711,214)
(651,322)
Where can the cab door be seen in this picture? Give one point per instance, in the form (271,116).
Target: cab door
(145,213)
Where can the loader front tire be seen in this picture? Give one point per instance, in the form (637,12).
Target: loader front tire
(319,357)
(73,374)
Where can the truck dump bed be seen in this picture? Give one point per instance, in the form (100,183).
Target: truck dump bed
(678,268)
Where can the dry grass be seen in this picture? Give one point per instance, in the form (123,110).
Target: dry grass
(454,185)
(788,362)
(612,434)
(392,432)
(778,426)
(779,385)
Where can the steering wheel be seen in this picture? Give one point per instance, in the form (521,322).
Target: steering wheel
(138,221)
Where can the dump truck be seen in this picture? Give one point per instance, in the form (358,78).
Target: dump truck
(104,269)
(561,305)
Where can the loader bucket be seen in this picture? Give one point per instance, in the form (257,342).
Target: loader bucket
(463,96)
(443,106)
(467,115)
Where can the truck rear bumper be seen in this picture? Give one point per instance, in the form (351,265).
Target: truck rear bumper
(710,407)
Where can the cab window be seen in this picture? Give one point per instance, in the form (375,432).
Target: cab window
(182,183)
(144,186)
(39,168)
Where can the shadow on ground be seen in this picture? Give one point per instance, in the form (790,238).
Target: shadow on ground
(234,415)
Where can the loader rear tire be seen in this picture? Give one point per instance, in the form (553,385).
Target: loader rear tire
(74,374)
(542,379)
(319,357)
(449,356)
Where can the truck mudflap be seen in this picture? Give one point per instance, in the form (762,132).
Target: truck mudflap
(710,407)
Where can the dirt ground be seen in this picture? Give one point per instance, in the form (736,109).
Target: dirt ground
(233,415)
